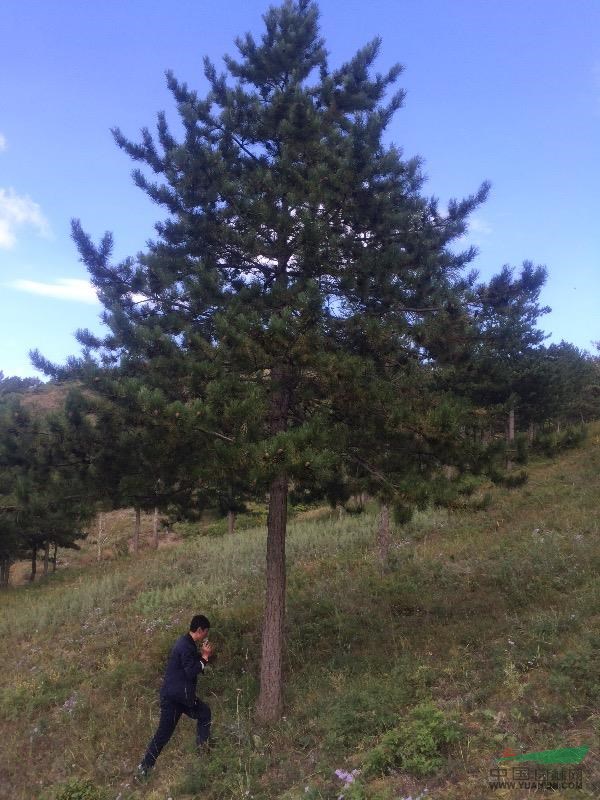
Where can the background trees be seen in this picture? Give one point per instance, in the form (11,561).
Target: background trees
(501,368)
(11,384)
(43,496)
(574,384)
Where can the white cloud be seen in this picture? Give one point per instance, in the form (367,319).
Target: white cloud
(16,211)
(3,144)
(7,237)
(75,289)
(479,226)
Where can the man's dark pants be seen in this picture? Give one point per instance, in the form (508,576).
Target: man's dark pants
(170,712)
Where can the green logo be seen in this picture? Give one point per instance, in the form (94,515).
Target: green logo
(564,755)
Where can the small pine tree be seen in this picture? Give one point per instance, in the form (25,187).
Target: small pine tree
(498,371)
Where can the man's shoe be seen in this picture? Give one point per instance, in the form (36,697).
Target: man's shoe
(142,772)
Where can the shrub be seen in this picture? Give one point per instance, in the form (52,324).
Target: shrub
(521,446)
(550,443)
(79,789)
(510,480)
(572,437)
(480,503)
(195,780)
(121,548)
(467,485)
(366,710)
(579,669)
(417,746)
(403,514)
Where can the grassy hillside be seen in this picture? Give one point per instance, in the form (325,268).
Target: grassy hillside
(483,634)
(47,397)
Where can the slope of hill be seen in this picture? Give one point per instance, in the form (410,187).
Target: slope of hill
(482,635)
(46,397)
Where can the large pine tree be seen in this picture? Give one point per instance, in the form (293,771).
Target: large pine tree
(298,255)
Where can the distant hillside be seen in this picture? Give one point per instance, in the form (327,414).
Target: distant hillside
(47,397)
(33,393)
(482,635)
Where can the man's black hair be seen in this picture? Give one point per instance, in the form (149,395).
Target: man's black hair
(199,621)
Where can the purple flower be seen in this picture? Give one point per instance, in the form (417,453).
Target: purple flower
(70,704)
(347,777)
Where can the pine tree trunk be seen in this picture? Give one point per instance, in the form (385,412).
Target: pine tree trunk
(531,433)
(510,437)
(231,521)
(155,529)
(100,534)
(33,564)
(269,705)
(270,701)
(136,530)
(54,557)
(46,557)
(511,426)
(4,572)
(384,536)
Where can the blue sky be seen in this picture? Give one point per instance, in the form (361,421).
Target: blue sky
(507,91)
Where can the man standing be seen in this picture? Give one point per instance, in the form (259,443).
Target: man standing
(178,691)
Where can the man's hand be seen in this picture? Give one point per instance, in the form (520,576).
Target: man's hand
(206,650)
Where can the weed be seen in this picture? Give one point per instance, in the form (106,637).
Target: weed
(578,671)
(360,713)
(123,676)
(36,692)
(418,746)
(79,789)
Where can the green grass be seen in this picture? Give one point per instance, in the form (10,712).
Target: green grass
(481,634)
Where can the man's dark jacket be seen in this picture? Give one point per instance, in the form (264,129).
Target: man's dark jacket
(181,675)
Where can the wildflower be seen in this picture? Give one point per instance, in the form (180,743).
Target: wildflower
(347,777)
(70,704)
